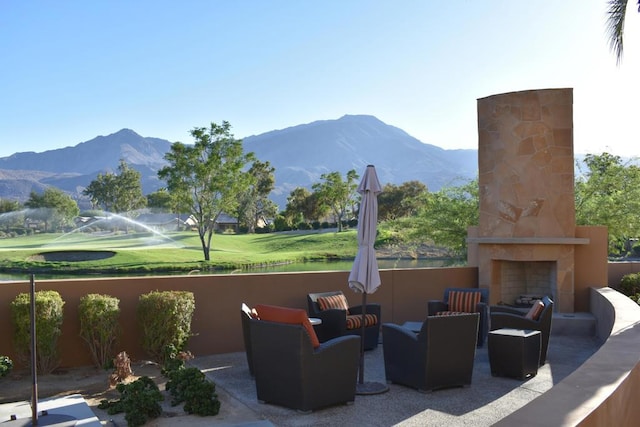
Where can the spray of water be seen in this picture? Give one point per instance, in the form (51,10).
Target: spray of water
(116,229)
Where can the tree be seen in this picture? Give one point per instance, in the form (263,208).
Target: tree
(121,192)
(129,195)
(337,194)
(304,206)
(608,194)
(53,207)
(208,177)
(617,12)
(447,215)
(255,203)
(161,201)
(400,201)
(9,206)
(10,215)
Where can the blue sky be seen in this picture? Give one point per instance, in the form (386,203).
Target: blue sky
(73,70)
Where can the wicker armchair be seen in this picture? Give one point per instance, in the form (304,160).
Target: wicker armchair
(441,355)
(509,317)
(290,372)
(337,322)
(446,306)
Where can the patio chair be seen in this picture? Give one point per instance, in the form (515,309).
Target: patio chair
(538,318)
(338,319)
(291,371)
(441,355)
(464,300)
(246,317)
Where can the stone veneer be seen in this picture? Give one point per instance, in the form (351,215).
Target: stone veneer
(526,180)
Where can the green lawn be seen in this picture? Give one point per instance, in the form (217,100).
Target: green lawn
(180,251)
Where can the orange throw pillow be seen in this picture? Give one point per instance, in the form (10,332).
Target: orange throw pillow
(535,310)
(464,301)
(338,301)
(294,316)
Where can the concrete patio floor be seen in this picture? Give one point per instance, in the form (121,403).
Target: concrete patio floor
(485,402)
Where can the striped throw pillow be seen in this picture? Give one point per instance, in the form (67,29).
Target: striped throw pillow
(465,302)
(535,310)
(354,321)
(338,301)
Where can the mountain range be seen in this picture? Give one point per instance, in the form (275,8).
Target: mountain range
(299,154)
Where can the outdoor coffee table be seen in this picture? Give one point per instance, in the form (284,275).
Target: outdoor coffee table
(514,352)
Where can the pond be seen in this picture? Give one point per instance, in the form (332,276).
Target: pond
(281,268)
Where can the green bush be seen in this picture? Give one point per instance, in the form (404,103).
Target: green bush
(6,365)
(138,400)
(99,326)
(48,328)
(190,386)
(630,284)
(165,319)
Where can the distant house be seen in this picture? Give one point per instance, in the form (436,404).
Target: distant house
(169,222)
(225,223)
(166,221)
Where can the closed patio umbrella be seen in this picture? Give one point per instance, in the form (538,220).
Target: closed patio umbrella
(364,276)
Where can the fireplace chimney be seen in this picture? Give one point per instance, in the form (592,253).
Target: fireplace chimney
(526,235)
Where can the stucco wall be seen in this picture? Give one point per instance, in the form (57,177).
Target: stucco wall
(603,390)
(216,322)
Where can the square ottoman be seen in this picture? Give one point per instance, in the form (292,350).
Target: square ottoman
(514,352)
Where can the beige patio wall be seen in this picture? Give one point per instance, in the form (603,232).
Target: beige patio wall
(216,322)
(592,399)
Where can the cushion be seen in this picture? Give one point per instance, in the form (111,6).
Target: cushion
(338,301)
(354,321)
(535,310)
(464,301)
(294,316)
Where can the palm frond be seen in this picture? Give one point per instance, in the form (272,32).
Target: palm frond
(616,12)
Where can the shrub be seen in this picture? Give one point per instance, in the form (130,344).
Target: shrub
(165,319)
(280,223)
(630,284)
(48,328)
(138,400)
(6,365)
(304,226)
(99,326)
(189,385)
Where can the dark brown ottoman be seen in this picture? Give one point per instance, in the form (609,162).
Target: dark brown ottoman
(514,352)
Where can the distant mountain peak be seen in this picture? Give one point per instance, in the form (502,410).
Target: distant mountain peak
(360,117)
(126,131)
(300,155)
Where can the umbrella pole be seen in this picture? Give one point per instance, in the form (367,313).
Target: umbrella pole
(364,388)
(34,359)
(364,315)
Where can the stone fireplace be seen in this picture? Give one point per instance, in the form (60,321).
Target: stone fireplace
(526,239)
